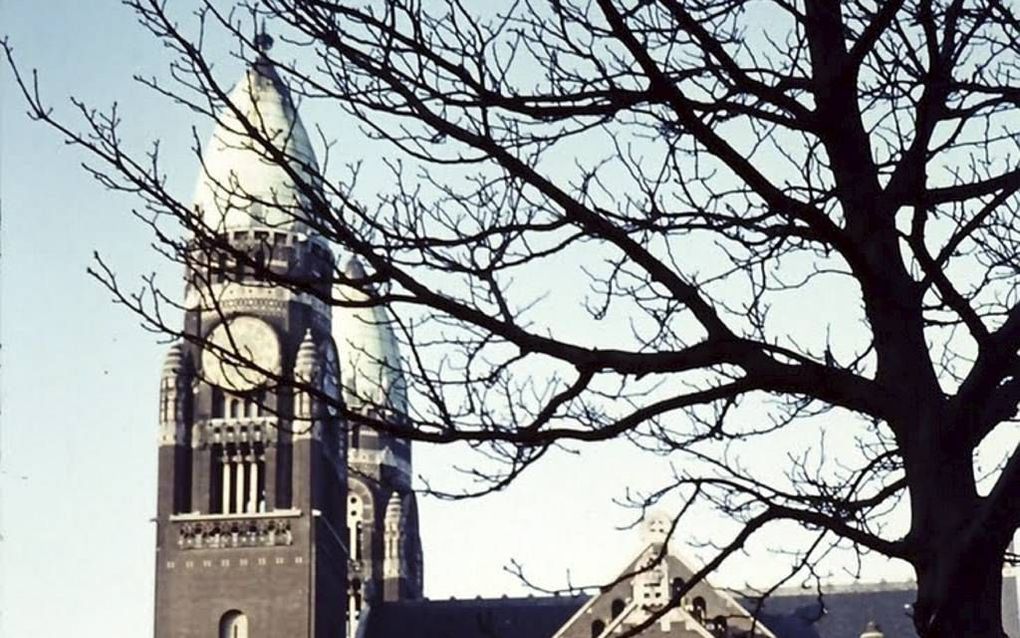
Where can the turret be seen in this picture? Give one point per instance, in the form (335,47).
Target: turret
(306,373)
(872,630)
(256,467)
(393,540)
(173,396)
(175,420)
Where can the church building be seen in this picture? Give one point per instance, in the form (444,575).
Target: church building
(276,519)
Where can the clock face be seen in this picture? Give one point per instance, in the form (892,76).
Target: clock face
(237,344)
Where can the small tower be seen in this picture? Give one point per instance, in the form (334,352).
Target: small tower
(393,549)
(382,516)
(175,431)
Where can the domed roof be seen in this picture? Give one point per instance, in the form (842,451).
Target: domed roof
(370,367)
(240,187)
(174,361)
(395,507)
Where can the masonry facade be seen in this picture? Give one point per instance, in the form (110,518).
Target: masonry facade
(262,530)
(276,519)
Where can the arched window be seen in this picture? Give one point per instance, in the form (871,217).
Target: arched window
(699,608)
(234,624)
(617,607)
(258,402)
(676,587)
(235,408)
(597,628)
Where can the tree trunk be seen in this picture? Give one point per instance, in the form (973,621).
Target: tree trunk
(957,560)
(966,603)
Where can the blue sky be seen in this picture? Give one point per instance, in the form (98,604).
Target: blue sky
(79,376)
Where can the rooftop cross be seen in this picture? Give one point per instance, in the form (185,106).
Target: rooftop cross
(263,41)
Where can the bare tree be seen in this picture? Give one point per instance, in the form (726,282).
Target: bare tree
(708,169)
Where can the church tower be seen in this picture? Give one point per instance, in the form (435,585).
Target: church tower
(382,514)
(251,532)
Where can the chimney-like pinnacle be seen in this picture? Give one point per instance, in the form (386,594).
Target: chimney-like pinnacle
(394,507)
(307,355)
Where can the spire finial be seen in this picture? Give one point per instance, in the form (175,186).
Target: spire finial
(263,41)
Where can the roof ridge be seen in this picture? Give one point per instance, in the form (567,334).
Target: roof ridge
(848,588)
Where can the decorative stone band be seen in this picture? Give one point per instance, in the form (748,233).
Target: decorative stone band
(224,531)
(263,429)
(232,296)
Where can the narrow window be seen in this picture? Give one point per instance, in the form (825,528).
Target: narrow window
(356,593)
(217,500)
(597,628)
(354,517)
(163,403)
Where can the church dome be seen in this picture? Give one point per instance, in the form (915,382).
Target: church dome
(240,187)
(370,367)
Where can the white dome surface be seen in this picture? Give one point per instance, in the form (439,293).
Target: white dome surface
(370,369)
(240,187)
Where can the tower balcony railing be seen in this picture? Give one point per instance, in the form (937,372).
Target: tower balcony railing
(248,529)
(253,429)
